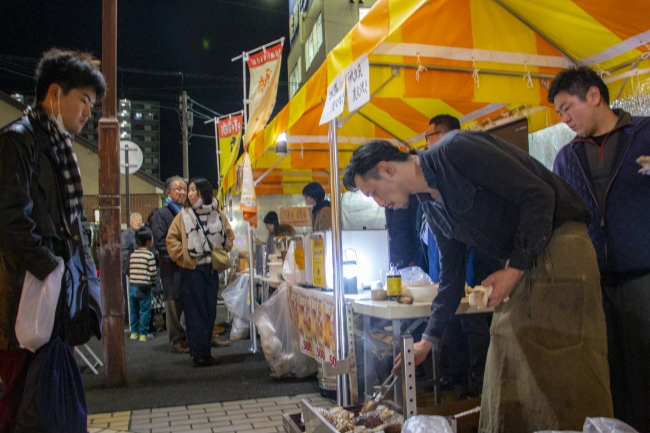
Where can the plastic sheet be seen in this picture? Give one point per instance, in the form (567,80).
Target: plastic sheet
(236,299)
(280,342)
(600,425)
(414,276)
(427,424)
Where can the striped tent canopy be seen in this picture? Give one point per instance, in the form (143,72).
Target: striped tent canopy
(486,62)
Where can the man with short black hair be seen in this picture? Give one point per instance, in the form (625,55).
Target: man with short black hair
(41,210)
(600,163)
(547,362)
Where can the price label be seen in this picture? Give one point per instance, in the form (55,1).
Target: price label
(333,360)
(357,81)
(320,353)
(306,345)
(335,101)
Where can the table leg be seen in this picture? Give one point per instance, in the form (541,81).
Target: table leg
(368,359)
(397,332)
(436,372)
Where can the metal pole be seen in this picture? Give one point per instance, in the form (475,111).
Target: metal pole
(127,172)
(186,170)
(251,288)
(109,203)
(342,394)
(216,140)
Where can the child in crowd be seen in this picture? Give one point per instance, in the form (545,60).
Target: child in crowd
(142,274)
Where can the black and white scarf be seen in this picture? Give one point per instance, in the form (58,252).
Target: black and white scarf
(67,161)
(209,220)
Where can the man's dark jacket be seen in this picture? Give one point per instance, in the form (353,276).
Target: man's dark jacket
(170,273)
(34,230)
(621,231)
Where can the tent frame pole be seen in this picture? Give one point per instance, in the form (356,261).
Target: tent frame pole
(342,390)
(459,69)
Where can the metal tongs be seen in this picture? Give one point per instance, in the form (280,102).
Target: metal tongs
(379,394)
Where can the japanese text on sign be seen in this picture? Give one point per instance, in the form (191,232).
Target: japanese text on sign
(357,79)
(335,99)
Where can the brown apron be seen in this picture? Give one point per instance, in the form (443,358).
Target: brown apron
(547,362)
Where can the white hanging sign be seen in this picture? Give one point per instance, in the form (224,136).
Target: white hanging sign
(335,99)
(357,80)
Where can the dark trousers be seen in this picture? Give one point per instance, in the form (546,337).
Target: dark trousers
(199,289)
(13,372)
(627,312)
(467,339)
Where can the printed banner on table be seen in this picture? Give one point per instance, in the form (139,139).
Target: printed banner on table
(357,83)
(264,69)
(335,101)
(312,313)
(248,203)
(229,130)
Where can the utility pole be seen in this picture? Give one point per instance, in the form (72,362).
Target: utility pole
(184,114)
(109,203)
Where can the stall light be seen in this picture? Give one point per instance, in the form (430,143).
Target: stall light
(281,144)
(350,271)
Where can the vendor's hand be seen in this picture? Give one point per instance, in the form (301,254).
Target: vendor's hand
(421,349)
(503,283)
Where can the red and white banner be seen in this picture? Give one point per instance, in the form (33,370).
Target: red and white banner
(264,69)
(229,130)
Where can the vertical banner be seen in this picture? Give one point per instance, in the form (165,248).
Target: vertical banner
(229,130)
(264,69)
(248,204)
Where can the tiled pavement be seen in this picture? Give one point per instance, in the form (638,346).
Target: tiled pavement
(261,415)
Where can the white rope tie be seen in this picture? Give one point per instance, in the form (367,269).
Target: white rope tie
(602,73)
(527,78)
(420,68)
(475,76)
(302,150)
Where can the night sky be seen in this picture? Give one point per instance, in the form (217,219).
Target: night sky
(156,40)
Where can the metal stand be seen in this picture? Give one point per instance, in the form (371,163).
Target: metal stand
(90,365)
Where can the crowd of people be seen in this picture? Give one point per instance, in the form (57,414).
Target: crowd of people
(565,252)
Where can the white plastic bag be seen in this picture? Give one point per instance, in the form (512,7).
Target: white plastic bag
(600,425)
(288,268)
(37,308)
(414,276)
(426,424)
(236,299)
(280,342)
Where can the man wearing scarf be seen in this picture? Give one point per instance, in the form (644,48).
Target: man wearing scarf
(169,271)
(41,209)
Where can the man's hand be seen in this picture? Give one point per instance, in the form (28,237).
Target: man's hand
(421,349)
(503,283)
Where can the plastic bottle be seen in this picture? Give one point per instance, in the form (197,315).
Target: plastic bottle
(393,283)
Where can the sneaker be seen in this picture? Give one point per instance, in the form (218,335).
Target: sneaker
(143,338)
(133,336)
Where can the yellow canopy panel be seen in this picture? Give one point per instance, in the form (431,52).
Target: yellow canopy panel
(474,59)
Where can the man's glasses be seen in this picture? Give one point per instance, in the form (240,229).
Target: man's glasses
(180,189)
(433,134)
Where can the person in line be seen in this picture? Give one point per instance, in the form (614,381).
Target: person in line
(321,212)
(467,337)
(600,163)
(142,280)
(275,229)
(196,229)
(546,365)
(402,234)
(41,209)
(170,272)
(128,246)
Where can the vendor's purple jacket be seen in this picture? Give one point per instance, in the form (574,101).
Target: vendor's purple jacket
(621,230)
(495,198)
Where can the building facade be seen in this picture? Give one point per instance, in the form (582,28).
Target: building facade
(315,27)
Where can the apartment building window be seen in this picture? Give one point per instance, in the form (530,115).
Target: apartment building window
(314,41)
(296,78)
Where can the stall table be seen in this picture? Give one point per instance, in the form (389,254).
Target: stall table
(395,312)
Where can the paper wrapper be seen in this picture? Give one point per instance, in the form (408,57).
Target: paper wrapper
(478,296)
